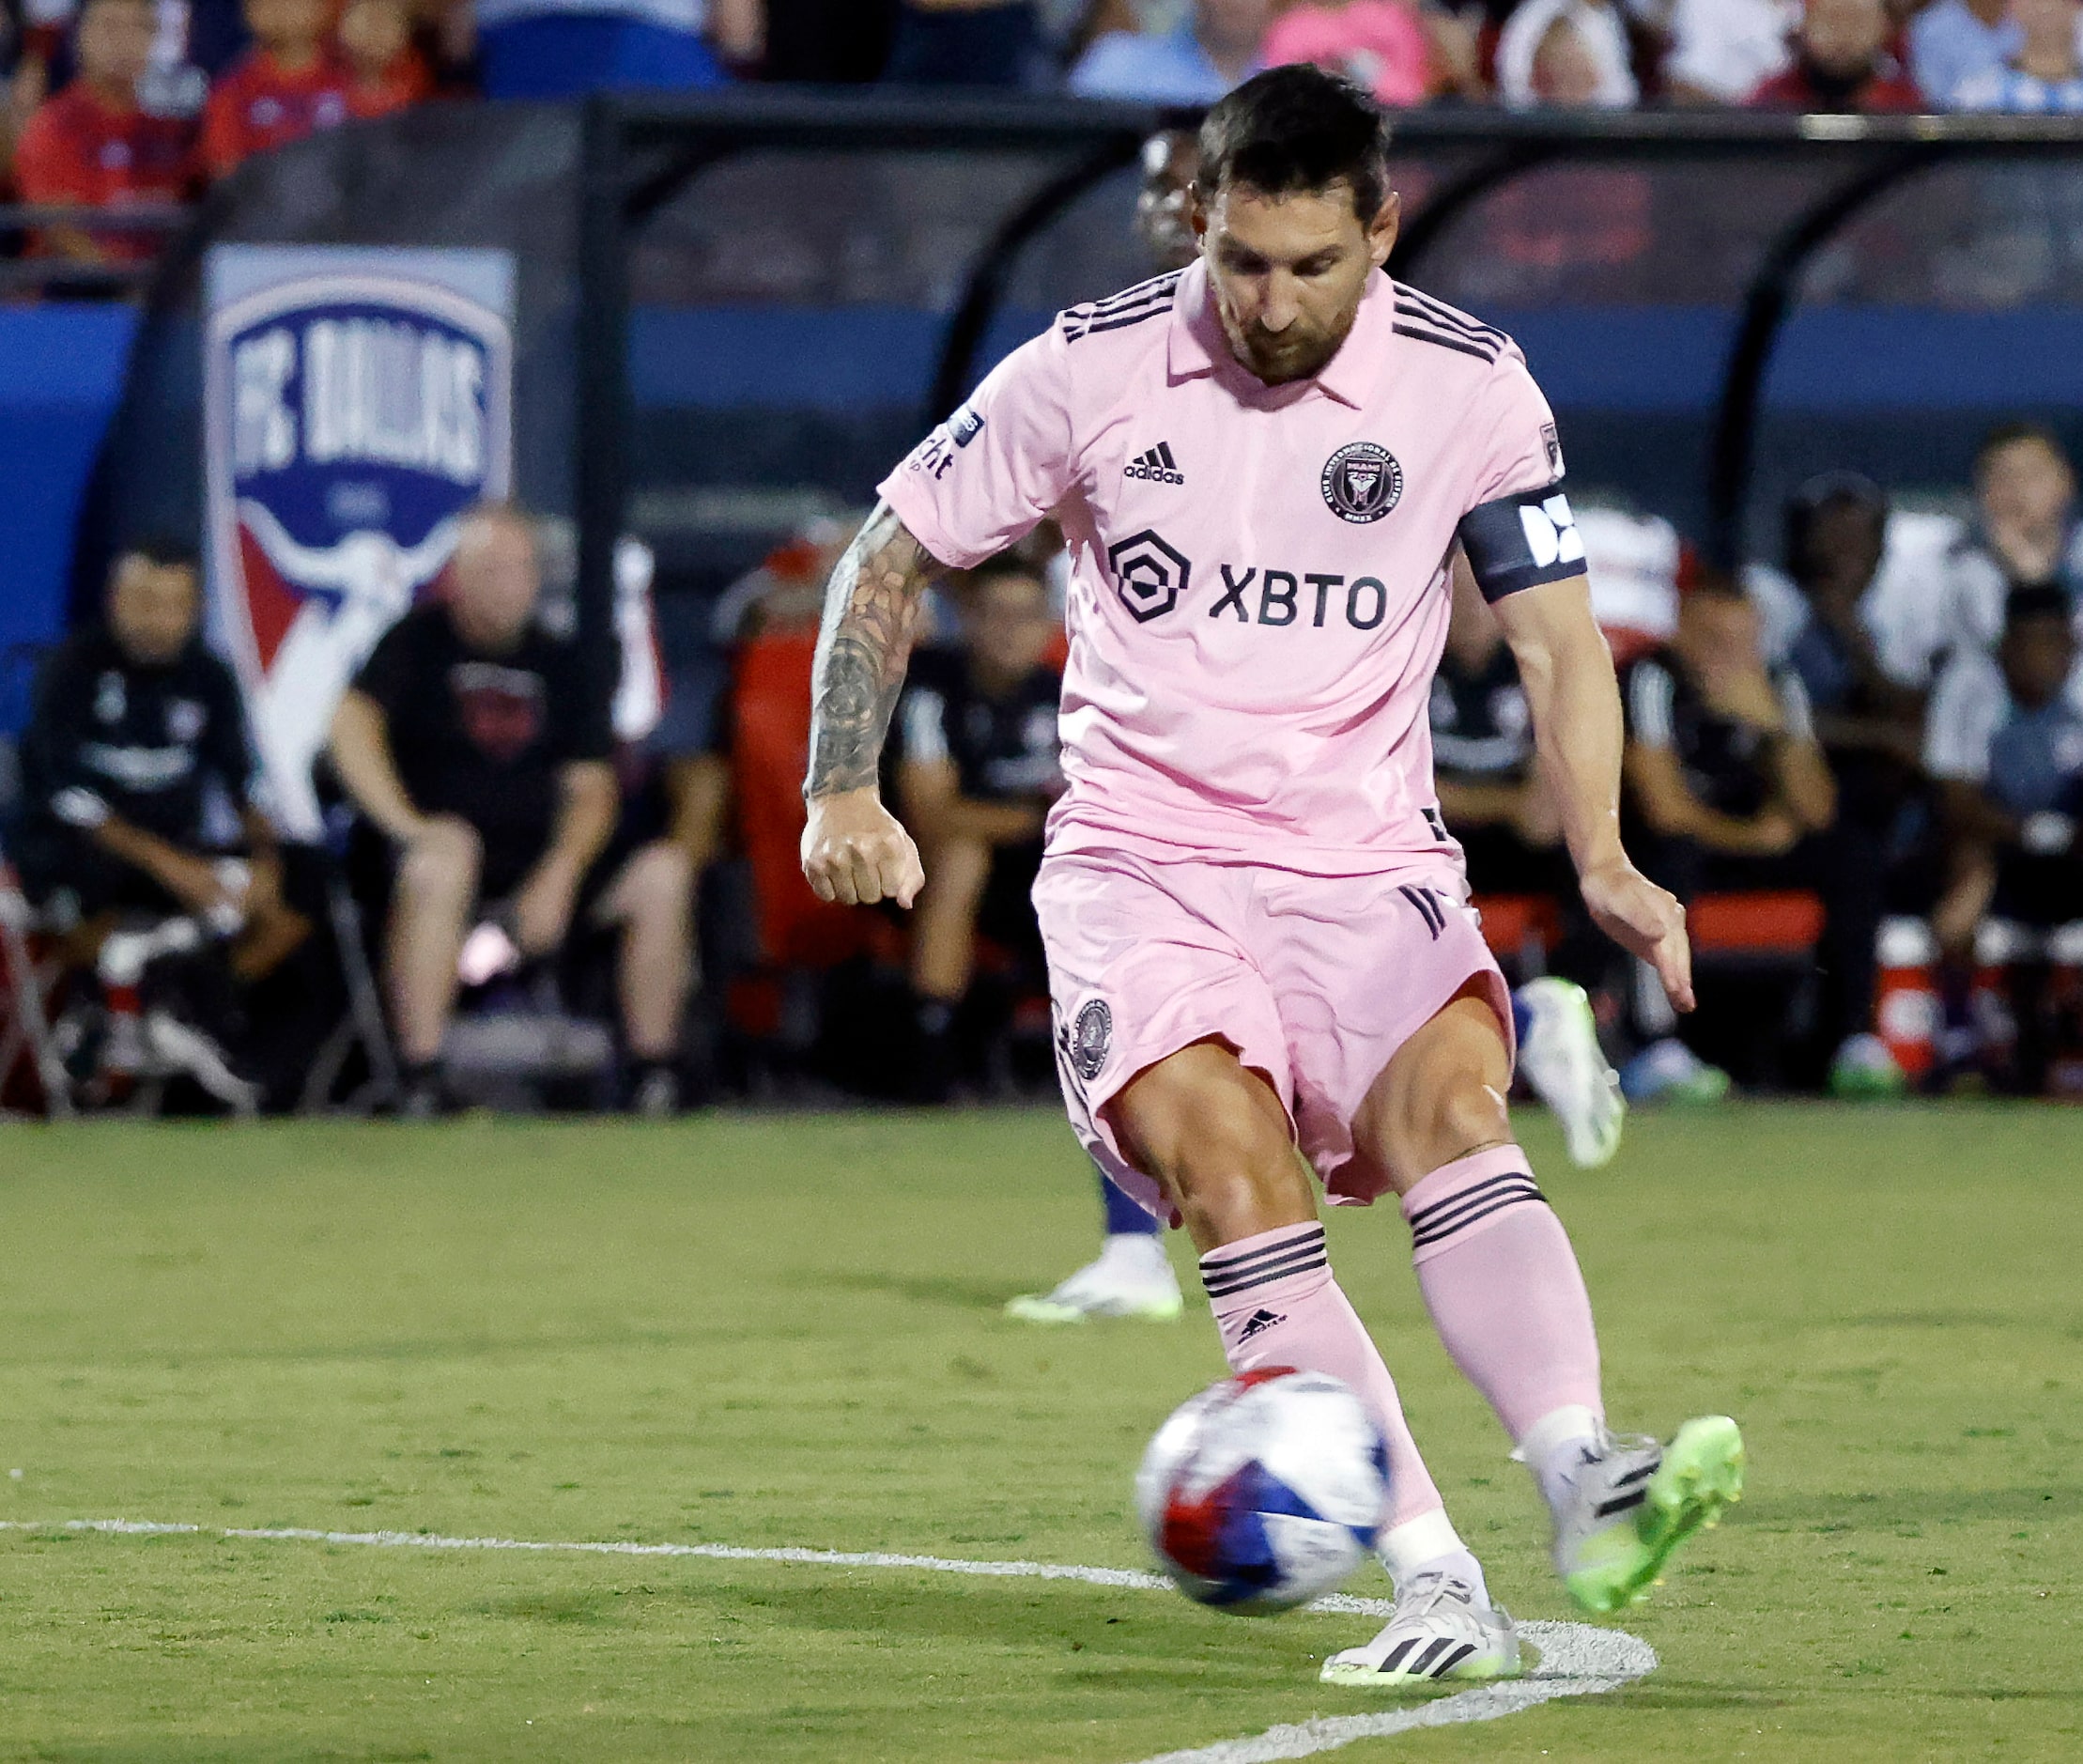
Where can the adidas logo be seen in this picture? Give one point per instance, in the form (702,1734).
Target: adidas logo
(1260,1321)
(1155,467)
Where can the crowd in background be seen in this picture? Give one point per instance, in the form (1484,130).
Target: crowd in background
(121,103)
(1883,726)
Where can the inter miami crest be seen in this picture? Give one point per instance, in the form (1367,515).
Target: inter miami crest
(1362,482)
(353,410)
(1091,1034)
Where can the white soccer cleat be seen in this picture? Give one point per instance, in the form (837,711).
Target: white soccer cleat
(1566,1067)
(1441,1630)
(1133,1278)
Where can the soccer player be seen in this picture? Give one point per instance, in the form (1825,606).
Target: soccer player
(1254,919)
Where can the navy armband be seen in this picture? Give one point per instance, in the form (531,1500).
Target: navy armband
(1522,541)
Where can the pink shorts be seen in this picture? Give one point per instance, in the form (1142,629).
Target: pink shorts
(1314,980)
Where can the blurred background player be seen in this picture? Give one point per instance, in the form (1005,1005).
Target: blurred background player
(467,744)
(1132,1276)
(974,759)
(1498,804)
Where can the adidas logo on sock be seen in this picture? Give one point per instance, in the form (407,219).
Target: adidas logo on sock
(1257,1323)
(1155,467)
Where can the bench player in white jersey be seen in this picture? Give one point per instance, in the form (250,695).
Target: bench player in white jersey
(1256,922)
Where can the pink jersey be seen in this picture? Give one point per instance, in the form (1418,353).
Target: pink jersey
(1258,590)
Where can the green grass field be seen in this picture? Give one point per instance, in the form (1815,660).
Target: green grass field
(785,1331)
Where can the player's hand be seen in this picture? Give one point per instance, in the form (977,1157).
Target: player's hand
(855,852)
(1645,920)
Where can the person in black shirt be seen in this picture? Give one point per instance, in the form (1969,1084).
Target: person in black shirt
(1726,788)
(976,767)
(1491,794)
(472,743)
(138,744)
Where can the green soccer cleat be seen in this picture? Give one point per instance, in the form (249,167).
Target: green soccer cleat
(1634,1502)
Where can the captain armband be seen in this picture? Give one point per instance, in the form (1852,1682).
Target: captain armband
(1522,541)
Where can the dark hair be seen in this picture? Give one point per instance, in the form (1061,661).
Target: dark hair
(162,551)
(1008,564)
(2009,435)
(1828,489)
(2037,600)
(1296,130)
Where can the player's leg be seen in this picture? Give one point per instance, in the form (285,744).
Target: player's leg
(944,954)
(1216,1138)
(430,905)
(1132,1276)
(650,898)
(1501,1281)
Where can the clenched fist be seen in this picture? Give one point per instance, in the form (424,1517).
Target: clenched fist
(855,852)
(1645,920)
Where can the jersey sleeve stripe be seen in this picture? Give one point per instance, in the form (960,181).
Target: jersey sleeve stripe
(1460,346)
(1446,317)
(1120,323)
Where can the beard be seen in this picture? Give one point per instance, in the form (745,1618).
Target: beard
(1279,357)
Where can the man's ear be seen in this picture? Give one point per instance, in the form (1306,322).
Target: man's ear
(1388,223)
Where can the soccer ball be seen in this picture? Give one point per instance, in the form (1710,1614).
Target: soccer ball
(1265,1490)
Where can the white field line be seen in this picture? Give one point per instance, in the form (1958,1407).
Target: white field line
(1576,1660)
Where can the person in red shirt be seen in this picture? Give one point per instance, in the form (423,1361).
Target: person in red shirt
(376,36)
(1842,64)
(289,84)
(92,147)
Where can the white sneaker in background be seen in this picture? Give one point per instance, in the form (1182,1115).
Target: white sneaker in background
(1568,1070)
(1133,1278)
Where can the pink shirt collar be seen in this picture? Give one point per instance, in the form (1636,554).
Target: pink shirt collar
(1196,345)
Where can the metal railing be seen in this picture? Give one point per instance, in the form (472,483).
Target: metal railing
(37,271)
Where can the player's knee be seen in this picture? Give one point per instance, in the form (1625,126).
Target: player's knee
(659,884)
(443,863)
(1215,1135)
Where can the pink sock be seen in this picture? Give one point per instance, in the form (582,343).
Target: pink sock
(1276,1304)
(1503,1285)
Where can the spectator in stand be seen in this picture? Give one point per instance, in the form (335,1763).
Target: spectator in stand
(2026,532)
(568,48)
(1726,787)
(2006,747)
(1568,55)
(975,769)
(968,42)
(1721,50)
(376,40)
(136,728)
(1952,40)
(2044,75)
(291,83)
(1840,64)
(1404,51)
(93,146)
(480,764)
(1215,47)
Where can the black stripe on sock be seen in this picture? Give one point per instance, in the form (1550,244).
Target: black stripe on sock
(1304,1262)
(1225,1261)
(1529,1196)
(1445,1212)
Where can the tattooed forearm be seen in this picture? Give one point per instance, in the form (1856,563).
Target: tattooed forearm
(871,612)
